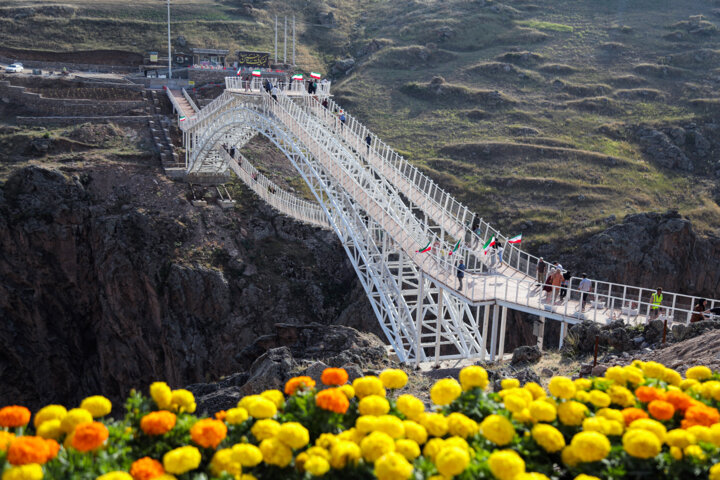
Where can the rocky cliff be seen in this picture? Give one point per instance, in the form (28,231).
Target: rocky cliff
(109,280)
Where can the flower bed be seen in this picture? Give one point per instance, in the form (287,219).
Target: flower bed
(639,421)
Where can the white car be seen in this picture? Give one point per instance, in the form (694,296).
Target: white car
(14,68)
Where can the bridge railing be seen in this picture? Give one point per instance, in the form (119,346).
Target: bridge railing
(220,102)
(255,85)
(190,100)
(173,100)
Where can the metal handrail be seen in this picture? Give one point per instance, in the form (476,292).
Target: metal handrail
(190,100)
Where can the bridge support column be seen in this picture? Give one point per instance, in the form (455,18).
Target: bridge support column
(486,320)
(418,321)
(438,326)
(562,335)
(540,333)
(503,323)
(493,337)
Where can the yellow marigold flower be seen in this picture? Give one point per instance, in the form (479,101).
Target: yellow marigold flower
(317,466)
(368,385)
(75,417)
(671,377)
(535,390)
(236,416)
(410,406)
(653,370)
(49,412)
(599,399)
(375,445)
(222,461)
(473,376)
(365,423)
(208,432)
(265,428)
(435,424)
(611,414)
(246,401)
(582,476)
(97,405)
(616,374)
(569,457)
(596,424)
(523,416)
(50,429)
(327,440)
(615,428)
(641,443)
(633,375)
(572,413)
(393,378)
(32,471)
(688,383)
(246,454)
(542,411)
(701,433)
(445,391)
(294,435)
(161,395)
(497,429)
(183,401)
(275,396)
(515,403)
(407,448)
(699,373)
(715,434)
(344,453)
(714,472)
(244,476)
(583,384)
(393,466)
(461,426)
(711,390)
(433,447)
(348,390)
(508,383)
(373,405)
(415,431)
(391,425)
(621,396)
(680,438)
(261,407)
(532,476)
(181,460)
(582,396)
(117,475)
(676,453)
(590,446)
(652,426)
(562,387)
(275,452)
(451,461)
(506,464)
(548,437)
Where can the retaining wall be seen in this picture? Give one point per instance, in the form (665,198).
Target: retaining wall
(87,67)
(62,121)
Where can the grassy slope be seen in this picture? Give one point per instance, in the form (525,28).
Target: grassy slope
(582,49)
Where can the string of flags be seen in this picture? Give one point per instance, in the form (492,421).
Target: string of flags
(486,247)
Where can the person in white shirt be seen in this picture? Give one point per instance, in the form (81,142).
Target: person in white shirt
(584,288)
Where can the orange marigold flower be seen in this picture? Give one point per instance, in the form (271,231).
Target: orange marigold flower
(6,439)
(14,416)
(208,432)
(648,394)
(334,376)
(631,414)
(146,468)
(221,415)
(89,436)
(158,423)
(680,400)
(24,450)
(53,448)
(297,382)
(700,415)
(661,409)
(332,399)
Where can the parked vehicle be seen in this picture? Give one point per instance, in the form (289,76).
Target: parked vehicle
(14,68)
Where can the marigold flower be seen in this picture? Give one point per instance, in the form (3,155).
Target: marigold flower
(473,376)
(393,466)
(515,403)
(661,410)
(116,475)
(246,454)
(548,437)
(389,424)
(260,407)
(275,396)
(433,447)
(222,461)
(221,415)
(542,411)
(333,400)
(393,378)
(681,401)
(158,423)
(146,468)
(316,466)
(294,435)
(648,394)
(410,406)
(343,453)
(700,415)
(435,424)
(653,369)
(182,460)
(715,472)
(653,426)
(25,450)
(275,452)
(348,390)
(535,390)
(365,423)
(89,436)
(375,445)
(599,399)
(699,372)
(451,461)
(616,374)
(373,405)
(97,405)
(572,413)
(6,439)
(236,416)
(407,448)
(49,412)
(641,443)
(295,383)
(445,391)
(532,476)
(506,464)
(75,417)
(183,401)
(161,394)
(583,384)
(631,414)
(415,431)
(497,429)
(680,438)
(334,376)
(50,429)
(461,426)
(208,432)
(14,416)
(671,377)
(368,385)
(590,446)
(582,476)
(562,387)
(265,428)
(569,457)
(32,471)
(621,396)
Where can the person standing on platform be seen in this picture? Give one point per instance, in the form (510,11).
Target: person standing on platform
(541,269)
(460,274)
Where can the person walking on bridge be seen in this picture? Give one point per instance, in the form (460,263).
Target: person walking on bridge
(541,269)
(460,274)
(655,301)
(584,288)
(368,141)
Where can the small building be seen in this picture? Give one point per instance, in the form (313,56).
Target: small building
(181,59)
(209,56)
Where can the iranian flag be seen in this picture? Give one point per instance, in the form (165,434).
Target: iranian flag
(425,248)
(182,118)
(316,76)
(515,239)
(239,72)
(256,73)
(297,77)
(488,244)
(457,245)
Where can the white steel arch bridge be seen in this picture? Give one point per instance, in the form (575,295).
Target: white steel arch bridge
(386,212)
